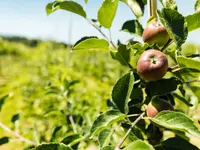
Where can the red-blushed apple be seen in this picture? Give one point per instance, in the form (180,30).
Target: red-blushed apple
(156,106)
(152,65)
(155,34)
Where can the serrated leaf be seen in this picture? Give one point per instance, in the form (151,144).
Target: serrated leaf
(193,21)
(4,140)
(52,146)
(188,62)
(106,119)
(104,137)
(122,55)
(122,91)
(139,145)
(176,143)
(176,121)
(153,88)
(107,12)
(108,148)
(70,6)
(175,24)
(197,5)
(91,43)
(133,27)
(171,4)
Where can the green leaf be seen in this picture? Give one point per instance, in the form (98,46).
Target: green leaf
(53,136)
(70,6)
(106,119)
(15,117)
(137,6)
(108,148)
(2,100)
(4,140)
(105,137)
(72,139)
(153,88)
(171,4)
(176,121)
(122,91)
(187,74)
(137,47)
(193,21)
(197,5)
(175,24)
(107,12)
(49,8)
(132,27)
(139,145)
(188,62)
(52,146)
(122,55)
(91,43)
(176,143)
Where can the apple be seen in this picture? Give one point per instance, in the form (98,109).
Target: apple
(152,65)
(155,34)
(156,106)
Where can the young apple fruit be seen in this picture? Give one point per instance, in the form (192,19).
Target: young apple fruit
(156,106)
(155,34)
(152,65)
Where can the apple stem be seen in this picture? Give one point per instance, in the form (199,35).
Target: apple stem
(152,8)
(129,131)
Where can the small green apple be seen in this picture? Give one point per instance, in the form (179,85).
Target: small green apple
(155,34)
(152,65)
(156,106)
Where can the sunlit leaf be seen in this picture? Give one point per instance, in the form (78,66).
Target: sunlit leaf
(193,21)
(70,6)
(139,145)
(104,137)
(91,43)
(107,12)
(106,119)
(188,62)
(176,121)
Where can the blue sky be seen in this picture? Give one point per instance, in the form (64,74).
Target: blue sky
(28,18)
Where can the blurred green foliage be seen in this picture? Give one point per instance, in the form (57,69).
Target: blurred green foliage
(48,86)
(48,93)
